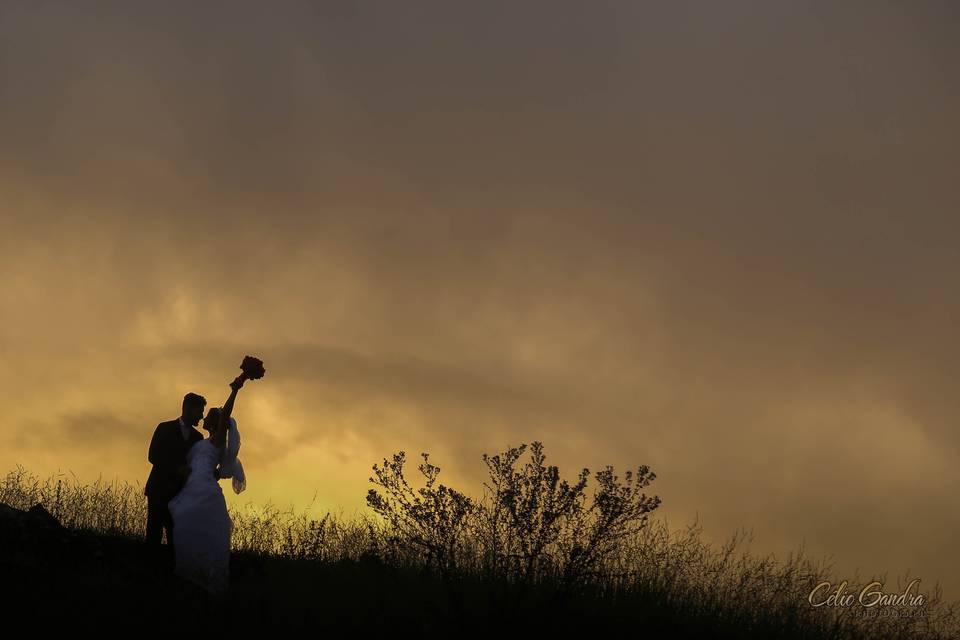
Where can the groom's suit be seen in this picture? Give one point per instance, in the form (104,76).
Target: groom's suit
(168,452)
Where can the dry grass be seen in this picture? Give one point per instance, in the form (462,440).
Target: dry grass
(650,574)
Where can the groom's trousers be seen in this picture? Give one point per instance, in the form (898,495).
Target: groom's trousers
(158,521)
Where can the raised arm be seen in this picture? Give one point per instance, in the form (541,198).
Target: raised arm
(219,435)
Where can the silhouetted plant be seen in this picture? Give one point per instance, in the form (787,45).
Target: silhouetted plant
(432,518)
(539,525)
(525,510)
(531,525)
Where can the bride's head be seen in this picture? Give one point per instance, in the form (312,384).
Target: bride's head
(212,419)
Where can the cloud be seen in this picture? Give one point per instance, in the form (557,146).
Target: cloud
(68,431)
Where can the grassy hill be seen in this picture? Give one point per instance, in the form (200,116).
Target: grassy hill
(538,557)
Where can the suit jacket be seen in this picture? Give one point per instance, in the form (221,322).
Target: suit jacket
(168,452)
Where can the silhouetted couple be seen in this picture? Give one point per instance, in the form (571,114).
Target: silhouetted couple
(183,490)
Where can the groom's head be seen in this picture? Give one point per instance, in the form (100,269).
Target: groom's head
(192,411)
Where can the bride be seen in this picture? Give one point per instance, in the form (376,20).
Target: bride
(201,525)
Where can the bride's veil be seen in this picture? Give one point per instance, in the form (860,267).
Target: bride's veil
(230,466)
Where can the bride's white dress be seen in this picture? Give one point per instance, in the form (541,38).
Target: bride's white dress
(201,524)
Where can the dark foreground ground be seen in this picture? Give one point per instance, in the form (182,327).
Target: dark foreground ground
(52,578)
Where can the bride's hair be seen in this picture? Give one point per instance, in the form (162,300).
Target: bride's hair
(212,419)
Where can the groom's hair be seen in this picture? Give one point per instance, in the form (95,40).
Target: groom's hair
(193,399)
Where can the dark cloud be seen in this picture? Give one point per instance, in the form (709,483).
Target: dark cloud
(67,432)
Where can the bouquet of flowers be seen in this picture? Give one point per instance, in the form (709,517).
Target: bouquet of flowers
(252,367)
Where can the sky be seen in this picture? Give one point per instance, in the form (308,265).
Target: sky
(718,239)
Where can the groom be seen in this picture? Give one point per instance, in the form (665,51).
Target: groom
(168,455)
